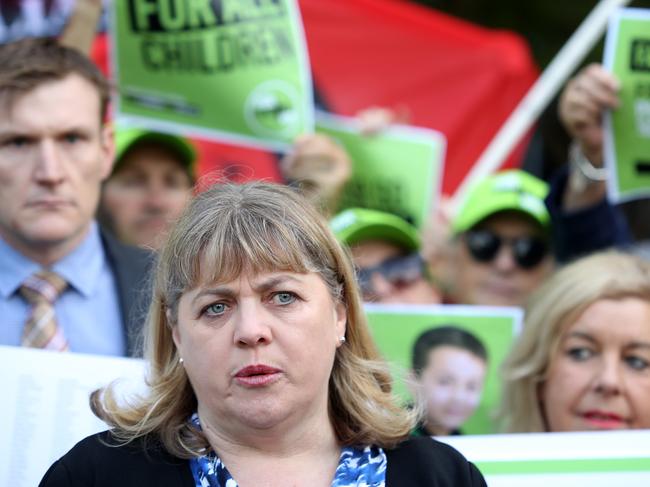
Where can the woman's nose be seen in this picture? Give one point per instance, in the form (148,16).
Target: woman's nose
(608,380)
(252,325)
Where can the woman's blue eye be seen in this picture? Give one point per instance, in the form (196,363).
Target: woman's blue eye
(215,309)
(637,363)
(580,353)
(284,298)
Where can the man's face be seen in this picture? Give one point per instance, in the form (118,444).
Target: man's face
(146,194)
(500,279)
(54,153)
(386,275)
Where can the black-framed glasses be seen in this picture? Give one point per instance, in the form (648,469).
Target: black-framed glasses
(484,246)
(399,271)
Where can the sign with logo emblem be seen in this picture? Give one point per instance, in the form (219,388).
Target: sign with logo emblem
(236,70)
(627,136)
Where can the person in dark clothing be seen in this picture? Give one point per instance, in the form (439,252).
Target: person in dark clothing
(261,365)
(583,220)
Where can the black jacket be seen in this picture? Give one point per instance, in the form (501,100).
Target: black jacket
(92,463)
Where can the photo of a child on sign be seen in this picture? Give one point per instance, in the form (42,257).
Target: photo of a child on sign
(448,372)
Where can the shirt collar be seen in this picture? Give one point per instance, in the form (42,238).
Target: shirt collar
(14,269)
(81,268)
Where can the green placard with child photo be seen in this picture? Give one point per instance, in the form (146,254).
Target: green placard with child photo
(627,134)
(397,171)
(449,356)
(236,70)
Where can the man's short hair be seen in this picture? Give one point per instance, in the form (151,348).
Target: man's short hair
(29,63)
(451,336)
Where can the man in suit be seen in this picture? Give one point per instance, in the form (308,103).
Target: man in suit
(55,151)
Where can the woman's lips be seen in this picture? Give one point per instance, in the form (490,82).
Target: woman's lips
(604,419)
(254,376)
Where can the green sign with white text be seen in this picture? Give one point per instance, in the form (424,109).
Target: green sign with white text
(627,138)
(236,70)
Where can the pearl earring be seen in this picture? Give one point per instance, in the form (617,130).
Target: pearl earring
(342,339)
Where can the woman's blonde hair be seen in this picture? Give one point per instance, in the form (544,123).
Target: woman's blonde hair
(255,227)
(556,304)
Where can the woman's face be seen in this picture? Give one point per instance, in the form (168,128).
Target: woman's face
(600,377)
(259,350)
(451,385)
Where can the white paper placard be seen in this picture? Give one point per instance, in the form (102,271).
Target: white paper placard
(45,410)
(596,459)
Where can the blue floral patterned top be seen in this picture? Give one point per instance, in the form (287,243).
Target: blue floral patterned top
(357,468)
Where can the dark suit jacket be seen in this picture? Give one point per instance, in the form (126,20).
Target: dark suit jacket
(132,268)
(418,462)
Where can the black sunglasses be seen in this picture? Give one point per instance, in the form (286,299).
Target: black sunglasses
(484,246)
(398,271)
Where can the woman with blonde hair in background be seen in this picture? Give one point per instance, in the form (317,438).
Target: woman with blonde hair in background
(582,361)
(262,370)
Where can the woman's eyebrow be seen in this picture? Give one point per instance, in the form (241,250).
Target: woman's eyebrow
(586,336)
(581,334)
(223,291)
(265,285)
(274,281)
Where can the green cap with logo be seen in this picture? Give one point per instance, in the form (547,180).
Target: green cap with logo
(128,137)
(356,225)
(512,190)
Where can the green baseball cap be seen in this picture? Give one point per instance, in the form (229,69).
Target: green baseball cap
(513,190)
(128,137)
(356,225)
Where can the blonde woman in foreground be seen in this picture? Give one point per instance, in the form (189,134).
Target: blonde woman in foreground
(262,368)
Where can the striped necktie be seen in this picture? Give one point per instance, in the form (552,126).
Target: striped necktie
(41,331)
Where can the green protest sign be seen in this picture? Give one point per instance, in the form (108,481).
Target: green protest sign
(597,459)
(398,171)
(627,135)
(236,70)
(396,327)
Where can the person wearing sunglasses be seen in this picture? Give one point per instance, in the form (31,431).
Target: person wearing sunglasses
(501,241)
(385,250)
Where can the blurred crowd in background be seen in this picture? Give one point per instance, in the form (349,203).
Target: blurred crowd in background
(541,235)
